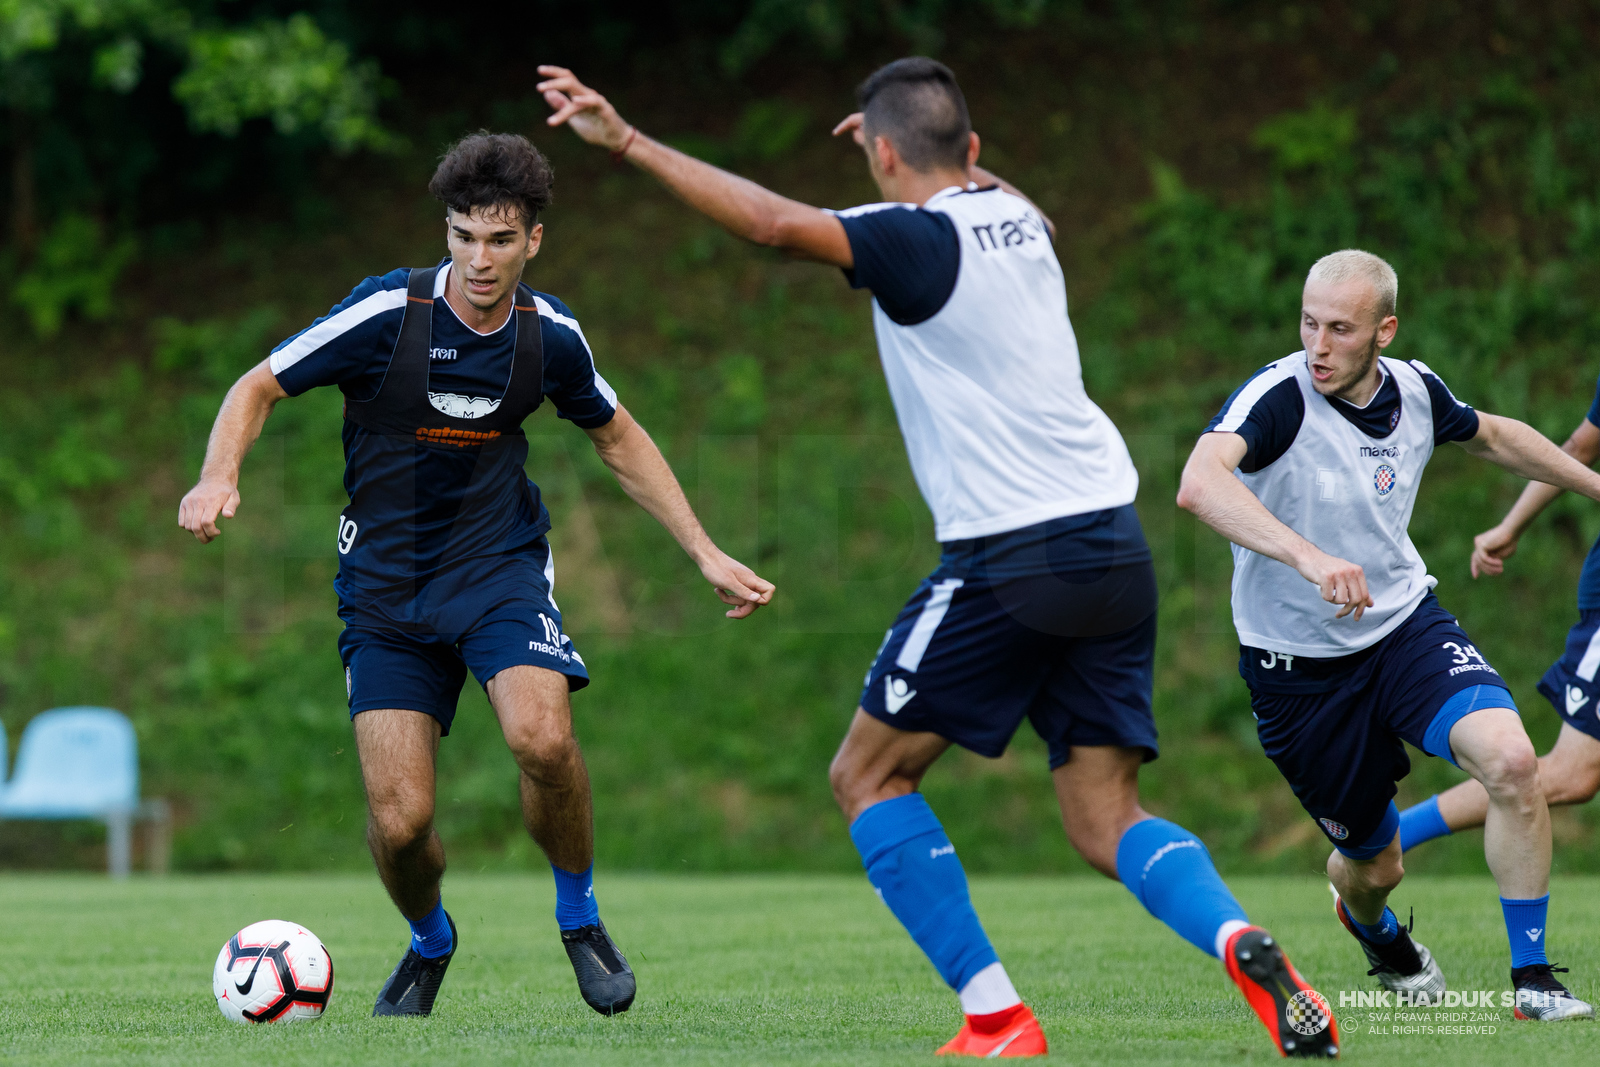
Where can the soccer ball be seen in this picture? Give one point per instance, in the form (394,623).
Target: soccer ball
(273,972)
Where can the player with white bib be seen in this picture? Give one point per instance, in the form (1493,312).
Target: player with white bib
(1312,469)
(1044,603)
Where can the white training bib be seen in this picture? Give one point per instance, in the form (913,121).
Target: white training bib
(1352,496)
(989,391)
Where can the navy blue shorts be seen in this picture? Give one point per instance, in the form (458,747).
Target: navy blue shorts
(1340,748)
(1570,683)
(988,639)
(417,667)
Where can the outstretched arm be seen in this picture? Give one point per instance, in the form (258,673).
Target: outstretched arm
(644,475)
(1493,547)
(1217,498)
(742,207)
(244,411)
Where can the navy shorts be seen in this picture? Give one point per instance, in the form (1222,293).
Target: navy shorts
(1340,748)
(514,622)
(988,639)
(1570,683)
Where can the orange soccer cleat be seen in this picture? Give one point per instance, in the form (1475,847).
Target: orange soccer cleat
(1012,1032)
(1298,1017)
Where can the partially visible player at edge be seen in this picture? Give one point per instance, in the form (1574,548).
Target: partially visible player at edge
(1311,469)
(1044,602)
(1569,772)
(443,562)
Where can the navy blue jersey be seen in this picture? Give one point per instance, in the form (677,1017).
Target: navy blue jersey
(439,507)
(1274,420)
(907,256)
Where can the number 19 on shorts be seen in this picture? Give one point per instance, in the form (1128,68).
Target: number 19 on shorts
(347,535)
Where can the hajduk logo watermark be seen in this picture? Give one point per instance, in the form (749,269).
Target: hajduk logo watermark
(1307,1012)
(1337,831)
(1453,1013)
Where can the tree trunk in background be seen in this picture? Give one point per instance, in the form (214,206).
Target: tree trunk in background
(24,213)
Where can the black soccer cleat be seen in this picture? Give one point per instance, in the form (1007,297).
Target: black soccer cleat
(1542,998)
(604,977)
(1402,965)
(415,982)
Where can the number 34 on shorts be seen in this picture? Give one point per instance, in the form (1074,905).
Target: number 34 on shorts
(1465,658)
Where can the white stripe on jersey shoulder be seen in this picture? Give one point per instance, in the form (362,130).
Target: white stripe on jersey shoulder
(1420,367)
(1273,374)
(1427,372)
(547,310)
(868,209)
(335,325)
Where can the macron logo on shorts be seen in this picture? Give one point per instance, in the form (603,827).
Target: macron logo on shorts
(1576,698)
(896,694)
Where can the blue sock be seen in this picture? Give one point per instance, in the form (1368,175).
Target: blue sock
(575,903)
(1422,822)
(1525,928)
(1387,929)
(1171,873)
(430,935)
(913,866)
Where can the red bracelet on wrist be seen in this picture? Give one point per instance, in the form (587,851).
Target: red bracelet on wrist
(620,154)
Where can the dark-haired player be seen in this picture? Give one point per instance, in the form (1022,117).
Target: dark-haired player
(443,562)
(1569,772)
(1044,602)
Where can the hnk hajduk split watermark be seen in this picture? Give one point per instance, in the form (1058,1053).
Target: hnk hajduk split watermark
(1456,1012)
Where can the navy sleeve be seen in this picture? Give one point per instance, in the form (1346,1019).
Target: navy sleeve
(1453,420)
(908,257)
(350,346)
(1266,411)
(576,389)
(1594,408)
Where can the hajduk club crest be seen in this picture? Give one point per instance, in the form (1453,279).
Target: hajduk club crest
(1383,480)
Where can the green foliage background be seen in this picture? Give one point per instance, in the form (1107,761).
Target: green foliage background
(1196,159)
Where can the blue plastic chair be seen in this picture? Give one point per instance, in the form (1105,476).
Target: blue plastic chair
(80,763)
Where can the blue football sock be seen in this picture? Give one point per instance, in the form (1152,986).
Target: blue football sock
(430,935)
(1386,930)
(1171,873)
(913,866)
(575,903)
(1525,928)
(1422,822)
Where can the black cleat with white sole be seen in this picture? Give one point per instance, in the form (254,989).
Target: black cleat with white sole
(604,977)
(1542,998)
(415,982)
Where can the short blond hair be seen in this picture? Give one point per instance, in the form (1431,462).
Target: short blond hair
(1352,264)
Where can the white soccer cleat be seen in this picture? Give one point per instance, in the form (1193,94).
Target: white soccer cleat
(1402,965)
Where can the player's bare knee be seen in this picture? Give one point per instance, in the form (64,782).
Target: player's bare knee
(543,751)
(1511,773)
(842,780)
(397,827)
(1576,785)
(1382,875)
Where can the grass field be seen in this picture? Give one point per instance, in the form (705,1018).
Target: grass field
(733,969)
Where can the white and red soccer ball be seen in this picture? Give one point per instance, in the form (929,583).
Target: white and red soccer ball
(273,972)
